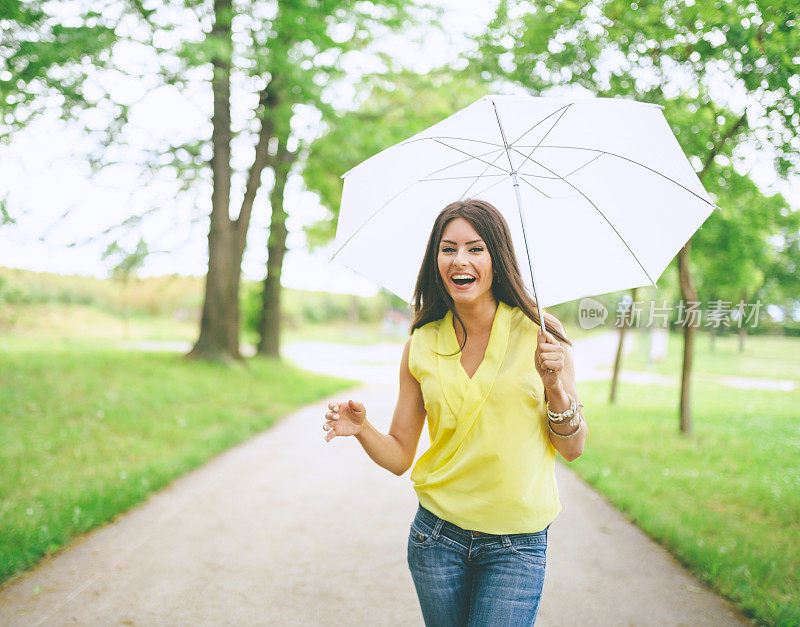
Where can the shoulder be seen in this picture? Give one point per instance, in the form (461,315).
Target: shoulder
(427,329)
(421,347)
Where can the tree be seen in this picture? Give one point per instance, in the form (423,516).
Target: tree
(736,249)
(292,54)
(691,57)
(260,65)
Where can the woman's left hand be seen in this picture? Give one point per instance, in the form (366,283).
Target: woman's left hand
(549,355)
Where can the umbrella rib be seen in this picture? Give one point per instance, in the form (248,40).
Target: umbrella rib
(613,154)
(477,178)
(452,165)
(524,180)
(563,111)
(463,139)
(585,164)
(589,200)
(488,163)
(455,178)
(541,121)
(483,191)
(434,138)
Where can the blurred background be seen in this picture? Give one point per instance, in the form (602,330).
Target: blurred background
(169,188)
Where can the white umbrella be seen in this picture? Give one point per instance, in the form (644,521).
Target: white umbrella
(599,184)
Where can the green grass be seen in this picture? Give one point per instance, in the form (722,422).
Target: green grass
(725,501)
(764,356)
(89,432)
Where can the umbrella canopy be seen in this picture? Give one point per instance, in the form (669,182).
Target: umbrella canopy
(597,193)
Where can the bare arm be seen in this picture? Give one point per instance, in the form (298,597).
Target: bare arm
(557,386)
(394,451)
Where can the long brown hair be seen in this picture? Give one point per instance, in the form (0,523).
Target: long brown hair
(431,299)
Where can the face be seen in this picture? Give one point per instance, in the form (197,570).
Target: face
(464,263)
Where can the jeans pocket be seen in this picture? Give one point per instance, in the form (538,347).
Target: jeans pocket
(531,552)
(420,536)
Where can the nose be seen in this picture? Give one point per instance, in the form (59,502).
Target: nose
(461,259)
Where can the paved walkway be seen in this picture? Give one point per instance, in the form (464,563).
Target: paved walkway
(288,530)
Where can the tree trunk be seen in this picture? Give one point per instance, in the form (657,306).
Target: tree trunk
(713,338)
(270,324)
(687,285)
(742,332)
(219,325)
(620,344)
(689,294)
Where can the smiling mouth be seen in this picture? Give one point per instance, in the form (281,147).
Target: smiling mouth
(463,280)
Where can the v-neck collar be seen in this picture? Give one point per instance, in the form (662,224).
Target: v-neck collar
(464,395)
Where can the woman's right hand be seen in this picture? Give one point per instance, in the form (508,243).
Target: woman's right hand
(345,418)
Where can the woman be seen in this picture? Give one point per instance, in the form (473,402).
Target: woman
(500,399)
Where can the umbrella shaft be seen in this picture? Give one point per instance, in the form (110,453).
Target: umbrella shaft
(528,248)
(519,208)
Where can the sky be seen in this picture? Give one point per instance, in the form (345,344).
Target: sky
(61,209)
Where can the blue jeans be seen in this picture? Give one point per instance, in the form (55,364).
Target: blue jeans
(472,578)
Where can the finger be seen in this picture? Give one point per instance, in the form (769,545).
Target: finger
(551,346)
(332,416)
(550,349)
(552,355)
(550,337)
(356,406)
(333,406)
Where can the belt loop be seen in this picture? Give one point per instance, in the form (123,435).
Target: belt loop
(437,528)
(506,540)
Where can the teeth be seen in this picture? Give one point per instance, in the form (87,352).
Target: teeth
(462,276)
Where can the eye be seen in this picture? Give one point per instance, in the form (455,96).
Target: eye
(477,249)
(448,249)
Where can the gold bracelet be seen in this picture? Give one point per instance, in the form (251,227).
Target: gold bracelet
(564,437)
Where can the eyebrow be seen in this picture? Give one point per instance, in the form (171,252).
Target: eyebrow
(449,241)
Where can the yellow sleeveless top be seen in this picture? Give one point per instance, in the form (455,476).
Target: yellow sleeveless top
(490,466)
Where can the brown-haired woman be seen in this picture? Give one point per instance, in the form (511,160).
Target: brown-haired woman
(500,397)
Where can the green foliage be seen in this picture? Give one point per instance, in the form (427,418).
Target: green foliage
(44,55)
(396,106)
(735,246)
(646,49)
(89,433)
(5,215)
(126,262)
